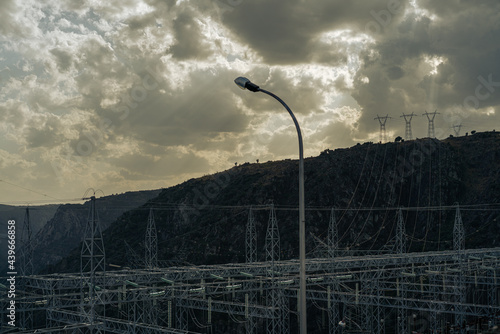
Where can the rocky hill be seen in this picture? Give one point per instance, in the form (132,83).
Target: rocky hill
(202,221)
(56,232)
(39,215)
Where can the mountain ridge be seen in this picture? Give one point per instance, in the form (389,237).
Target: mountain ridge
(202,221)
(54,235)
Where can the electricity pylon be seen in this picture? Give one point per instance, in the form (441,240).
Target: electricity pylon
(26,267)
(430,129)
(251,239)
(457,128)
(151,243)
(92,261)
(408,117)
(382,121)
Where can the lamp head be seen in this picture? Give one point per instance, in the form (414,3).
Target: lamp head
(244,83)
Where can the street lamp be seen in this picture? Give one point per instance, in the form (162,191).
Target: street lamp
(244,83)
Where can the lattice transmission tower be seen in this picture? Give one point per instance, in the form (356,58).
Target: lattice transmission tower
(151,243)
(408,117)
(382,121)
(402,280)
(278,324)
(458,232)
(400,234)
(333,246)
(148,311)
(459,289)
(251,239)
(26,267)
(430,129)
(457,128)
(272,238)
(333,236)
(251,256)
(92,262)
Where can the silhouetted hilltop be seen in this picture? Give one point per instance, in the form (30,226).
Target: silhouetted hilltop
(202,221)
(64,230)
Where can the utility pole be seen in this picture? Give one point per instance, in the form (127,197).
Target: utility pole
(382,121)
(408,117)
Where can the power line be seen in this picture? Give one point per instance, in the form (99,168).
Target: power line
(41,202)
(30,190)
(175,206)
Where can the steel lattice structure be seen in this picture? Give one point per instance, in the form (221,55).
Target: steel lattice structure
(365,285)
(408,118)
(430,129)
(382,121)
(366,294)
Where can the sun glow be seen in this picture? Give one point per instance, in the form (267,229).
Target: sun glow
(434,62)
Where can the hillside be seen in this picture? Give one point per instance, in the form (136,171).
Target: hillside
(59,230)
(202,221)
(39,215)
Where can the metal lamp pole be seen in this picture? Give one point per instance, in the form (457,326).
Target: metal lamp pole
(244,83)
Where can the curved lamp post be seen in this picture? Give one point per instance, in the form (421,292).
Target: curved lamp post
(244,83)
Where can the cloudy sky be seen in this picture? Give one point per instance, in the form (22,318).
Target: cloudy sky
(139,94)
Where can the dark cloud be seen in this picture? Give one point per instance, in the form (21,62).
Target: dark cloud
(63,58)
(302,93)
(190,43)
(334,134)
(464,39)
(394,72)
(47,136)
(285,32)
(169,163)
(99,73)
(144,91)
(170,117)
(447,8)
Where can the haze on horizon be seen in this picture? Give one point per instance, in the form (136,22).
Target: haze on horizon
(139,94)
